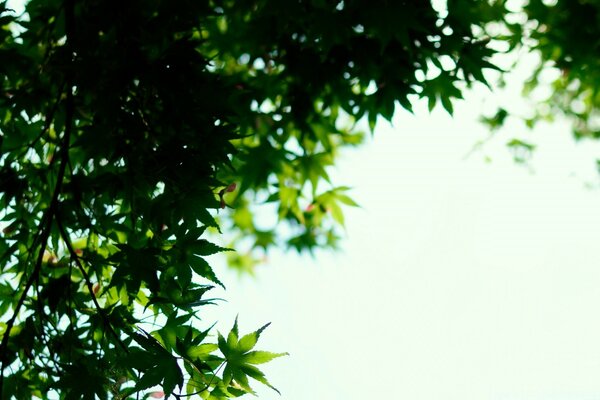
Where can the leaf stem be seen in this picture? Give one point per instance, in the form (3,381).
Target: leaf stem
(46,222)
(45,227)
(88,283)
(208,385)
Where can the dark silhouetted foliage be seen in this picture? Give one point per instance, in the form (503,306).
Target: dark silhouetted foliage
(134,132)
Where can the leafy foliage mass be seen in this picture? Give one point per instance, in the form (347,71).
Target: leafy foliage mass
(132,130)
(565,37)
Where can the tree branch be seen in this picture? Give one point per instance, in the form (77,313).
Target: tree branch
(88,283)
(48,118)
(46,222)
(45,228)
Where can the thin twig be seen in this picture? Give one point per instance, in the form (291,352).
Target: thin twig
(88,283)
(45,228)
(70,306)
(48,118)
(46,222)
(477,146)
(208,385)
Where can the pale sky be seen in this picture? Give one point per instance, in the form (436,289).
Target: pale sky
(459,279)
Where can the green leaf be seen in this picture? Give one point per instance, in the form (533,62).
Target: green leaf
(261,357)
(173,376)
(151,377)
(148,343)
(346,200)
(447,104)
(201,351)
(431,103)
(205,248)
(139,359)
(232,338)
(202,335)
(241,378)
(257,374)
(227,374)
(247,342)
(238,359)
(200,266)
(234,329)
(223,346)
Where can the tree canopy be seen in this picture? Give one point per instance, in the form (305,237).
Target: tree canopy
(133,134)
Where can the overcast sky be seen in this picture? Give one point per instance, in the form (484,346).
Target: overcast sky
(459,278)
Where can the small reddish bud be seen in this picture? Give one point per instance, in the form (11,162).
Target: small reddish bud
(157,395)
(231,187)
(48,257)
(228,189)
(96,288)
(79,252)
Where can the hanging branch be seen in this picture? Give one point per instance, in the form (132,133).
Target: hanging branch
(88,283)
(45,225)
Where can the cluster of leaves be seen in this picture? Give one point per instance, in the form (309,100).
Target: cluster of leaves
(110,143)
(567,37)
(308,71)
(126,126)
(564,34)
